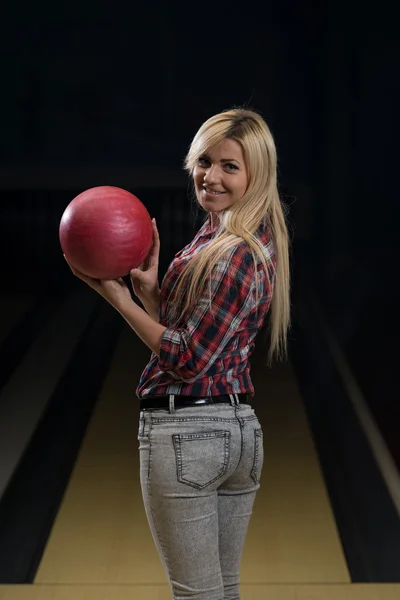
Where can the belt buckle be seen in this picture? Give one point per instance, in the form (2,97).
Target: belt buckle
(200,401)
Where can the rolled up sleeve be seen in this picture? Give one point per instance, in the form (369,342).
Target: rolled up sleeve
(189,352)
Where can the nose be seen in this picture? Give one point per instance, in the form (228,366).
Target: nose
(212,175)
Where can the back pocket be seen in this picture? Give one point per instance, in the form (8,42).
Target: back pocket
(201,458)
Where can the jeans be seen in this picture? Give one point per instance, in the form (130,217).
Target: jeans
(200,468)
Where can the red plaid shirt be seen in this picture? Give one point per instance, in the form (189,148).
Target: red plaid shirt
(209,355)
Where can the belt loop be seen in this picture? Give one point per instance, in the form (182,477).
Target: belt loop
(232,399)
(171,403)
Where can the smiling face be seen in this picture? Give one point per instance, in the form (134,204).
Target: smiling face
(220,176)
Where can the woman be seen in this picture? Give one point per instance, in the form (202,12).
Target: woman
(201,444)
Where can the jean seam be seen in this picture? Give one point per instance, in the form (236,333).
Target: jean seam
(257,441)
(164,554)
(159,420)
(150,448)
(162,420)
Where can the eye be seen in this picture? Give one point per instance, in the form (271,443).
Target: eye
(203,161)
(231,167)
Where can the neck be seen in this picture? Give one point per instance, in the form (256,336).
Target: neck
(215,219)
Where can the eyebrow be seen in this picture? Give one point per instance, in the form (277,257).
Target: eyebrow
(223,159)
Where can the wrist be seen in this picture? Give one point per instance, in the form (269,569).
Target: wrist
(157,295)
(152,300)
(124,305)
(155,300)
(152,306)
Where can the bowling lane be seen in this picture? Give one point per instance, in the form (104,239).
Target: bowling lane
(32,382)
(292,536)
(248,592)
(101,536)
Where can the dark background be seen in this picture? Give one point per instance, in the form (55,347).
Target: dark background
(101,94)
(94,95)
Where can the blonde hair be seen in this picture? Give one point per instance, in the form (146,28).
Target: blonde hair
(241,220)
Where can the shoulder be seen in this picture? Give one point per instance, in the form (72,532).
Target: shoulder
(246,255)
(235,267)
(245,264)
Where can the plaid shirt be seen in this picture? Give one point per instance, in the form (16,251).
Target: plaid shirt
(209,354)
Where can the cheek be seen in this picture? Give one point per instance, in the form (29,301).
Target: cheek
(240,188)
(197,177)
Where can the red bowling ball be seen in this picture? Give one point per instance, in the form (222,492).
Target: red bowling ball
(105,232)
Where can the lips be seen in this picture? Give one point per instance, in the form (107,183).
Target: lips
(212,192)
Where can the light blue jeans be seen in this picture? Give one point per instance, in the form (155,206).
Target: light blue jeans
(200,468)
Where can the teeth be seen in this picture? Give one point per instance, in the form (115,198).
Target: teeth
(212,192)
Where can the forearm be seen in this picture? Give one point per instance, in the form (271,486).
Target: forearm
(151,306)
(149,331)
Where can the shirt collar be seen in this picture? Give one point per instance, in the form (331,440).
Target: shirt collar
(209,227)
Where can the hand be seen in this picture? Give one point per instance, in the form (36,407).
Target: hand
(115,291)
(145,277)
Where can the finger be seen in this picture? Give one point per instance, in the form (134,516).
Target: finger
(156,235)
(122,282)
(136,274)
(155,248)
(135,281)
(141,267)
(136,287)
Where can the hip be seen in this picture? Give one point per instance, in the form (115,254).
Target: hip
(214,446)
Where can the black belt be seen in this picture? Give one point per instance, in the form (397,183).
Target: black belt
(162,402)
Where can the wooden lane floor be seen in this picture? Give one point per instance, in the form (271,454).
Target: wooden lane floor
(161,592)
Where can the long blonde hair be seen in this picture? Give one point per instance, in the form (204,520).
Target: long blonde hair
(241,220)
